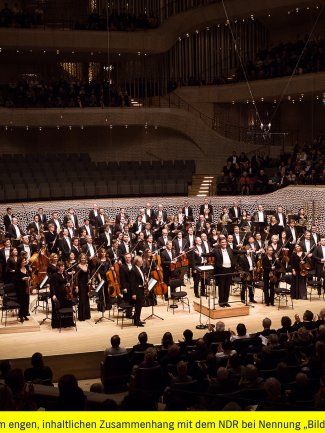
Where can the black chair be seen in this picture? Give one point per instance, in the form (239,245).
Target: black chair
(66,314)
(177,296)
(186,392)
(124,312)
(283,294)
(115,373)
(9,302)
(149,380)
(315,284)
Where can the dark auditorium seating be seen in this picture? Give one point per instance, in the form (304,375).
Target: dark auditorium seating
(65,176)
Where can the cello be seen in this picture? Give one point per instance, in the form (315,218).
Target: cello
(161,287)
(113,278)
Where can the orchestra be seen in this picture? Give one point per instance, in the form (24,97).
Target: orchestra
(77,255)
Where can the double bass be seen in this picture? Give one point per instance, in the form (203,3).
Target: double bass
(161,287)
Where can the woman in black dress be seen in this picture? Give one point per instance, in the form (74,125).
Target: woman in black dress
(299,282)
(11,266)
(81,288)
(103,264)
(60,296)
(21,281)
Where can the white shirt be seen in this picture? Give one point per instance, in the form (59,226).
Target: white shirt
(71,232)
(87,230)
(18,233)
(199,248)
(281,219)
(68,242)
(91,250)
(237,238)
(180,243)
(323,249)
(186,211)
(58,227)
(250,261)
(307,243)
(293,234)
(170,254)
(108,238)
(102,218)
(27,250)
(191,239)
(207,249)
(165,238)
(7,253)
(144,218)
(236,212)
(260,217)
(226,262)
(315,237)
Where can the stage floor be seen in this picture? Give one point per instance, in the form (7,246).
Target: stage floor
(92,337)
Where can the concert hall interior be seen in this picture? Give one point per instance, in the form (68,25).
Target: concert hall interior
(162,199)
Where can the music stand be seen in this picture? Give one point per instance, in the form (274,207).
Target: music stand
(151,284)
(102,317)
(204,269)
(44,284)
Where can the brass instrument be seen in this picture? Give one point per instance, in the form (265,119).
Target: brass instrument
(224,219)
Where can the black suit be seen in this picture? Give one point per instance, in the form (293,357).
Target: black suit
(244,265)
(124,273)
(202,207)
(33,227)
(12,232)
(118,218)
(32,248)
(223,281)
(161,241)
(232,213)
(93,218)
(176,247)
(284,219)
(121,250)
(91,230)
(52,221)
(99,220)
(73,218)
(103,239)
(165,262)
(189,216)
(7,221)
(137,289)
(138,227)
(42,218)
(318,256)
(163,215)
(150,215)
(65,248)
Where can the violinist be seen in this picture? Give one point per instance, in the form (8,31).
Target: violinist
(15,231)
(106,236)
(75,248)
(199,260)
(163,239)
(104,264)
(247,264)
(51,238)
(137,283)
(179,244)
(113,252)
(35,226)
(273,227)
(280,217)
(4,257)
(180,216)
(124,247)
(11,265)
(157,228)
(269,264)
(275,244)
(90,250)
(70,263)
(81,288)
(147,230)
(22,281)
(292,234)
(298,286)
(139,247)
(53,261)
(60,296)
(167,258)
(161,213)
(258,242)
(150,244)
(175,226)
(307,242)
(260,219)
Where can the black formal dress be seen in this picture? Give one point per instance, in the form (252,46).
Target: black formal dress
(83,305)
(58,283)
(22,291)
(299,282)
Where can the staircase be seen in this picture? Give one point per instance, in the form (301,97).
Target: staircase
(202,185)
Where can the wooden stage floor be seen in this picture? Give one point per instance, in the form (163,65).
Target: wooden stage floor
(92,337)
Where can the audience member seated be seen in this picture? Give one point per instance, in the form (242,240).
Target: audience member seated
(115,349)
(38,373)
(71,396)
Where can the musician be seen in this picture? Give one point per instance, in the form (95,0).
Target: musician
(274,243)
(269,264)
(319,257)
(280,217)
(206,205)
(56,221)
(125,270)
(301,221)
(224,264)
(307,242)
(137,282)
(138,226)
(315,235)
(72,232)
(157,227)
(75,248)
(89,249)
(299,282)
(34,226)
(120,226)
(258,242)
(93,214)
(238,239)
(86,226)
(247,264)
(122,216)
(41,217)
(139,247)
(230,242)
(207,216)
(11,265)
(292,234)
(179,244)
(60,296)
(260,218)
(7,218)
(26,247)
(273,228)
(103,265)
(205,244)
(187,211)
(21,281)
(224,217)
(251,244)
(15,231)
(167,257)
(65,244)
(163,240)
(161,213)
(81,288)
(4,257)
(82,237)
(53,261)
(147,230)
(71,216)
(51,238)
(101,219)
(198,260)
(213,238)
(208,229)
(247,224)
(106,237)
(113,252)
(200,225)
(190,240)
(235,213)
(150,214)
